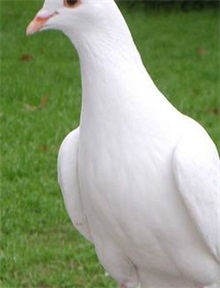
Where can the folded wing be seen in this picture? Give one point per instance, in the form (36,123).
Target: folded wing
(68,180)
(196,169)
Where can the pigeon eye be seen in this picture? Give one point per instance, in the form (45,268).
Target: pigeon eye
(70,3)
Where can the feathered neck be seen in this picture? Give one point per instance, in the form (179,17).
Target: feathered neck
(114,80)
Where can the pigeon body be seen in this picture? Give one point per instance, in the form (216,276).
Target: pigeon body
(140,180)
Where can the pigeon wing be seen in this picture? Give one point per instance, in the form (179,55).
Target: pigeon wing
(68,180)
(196,168)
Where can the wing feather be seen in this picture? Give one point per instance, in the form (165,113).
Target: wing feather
(68,180)
(196,169)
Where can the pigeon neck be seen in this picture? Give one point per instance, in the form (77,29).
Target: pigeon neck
(104,47)
(112,72)
(108,62)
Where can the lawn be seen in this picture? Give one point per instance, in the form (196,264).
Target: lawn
(40,104)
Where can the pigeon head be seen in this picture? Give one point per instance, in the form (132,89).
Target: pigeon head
(77,18)
(96,28)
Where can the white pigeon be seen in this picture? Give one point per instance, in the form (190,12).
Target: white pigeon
(140,180)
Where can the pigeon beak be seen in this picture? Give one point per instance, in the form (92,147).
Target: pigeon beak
(39,21)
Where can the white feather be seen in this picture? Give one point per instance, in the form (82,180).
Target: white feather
(68,180)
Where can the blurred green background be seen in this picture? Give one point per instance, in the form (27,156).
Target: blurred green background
(40,104)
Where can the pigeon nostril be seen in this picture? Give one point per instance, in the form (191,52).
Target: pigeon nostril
(39,21)
(44,13)
(43,18)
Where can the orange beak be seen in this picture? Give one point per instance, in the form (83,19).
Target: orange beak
(38,23)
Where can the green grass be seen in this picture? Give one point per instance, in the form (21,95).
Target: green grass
(40,104)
